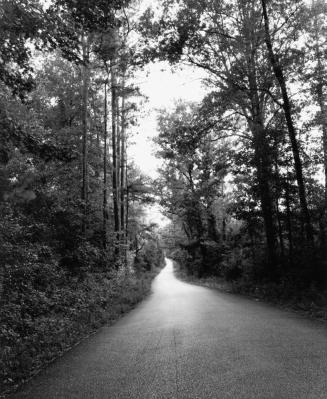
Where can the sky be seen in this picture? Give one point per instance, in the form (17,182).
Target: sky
(163,87)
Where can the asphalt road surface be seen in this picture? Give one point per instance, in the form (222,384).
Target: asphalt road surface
(186,342)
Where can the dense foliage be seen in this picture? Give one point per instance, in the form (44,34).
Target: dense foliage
(243,170)
(71,203)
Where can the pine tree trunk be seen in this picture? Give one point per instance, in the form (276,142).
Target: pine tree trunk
(105,160)
(122,169)
(118,146)
(114,155)
(127,202)
(85,89)
(278,71)
(97,138)
(264,177)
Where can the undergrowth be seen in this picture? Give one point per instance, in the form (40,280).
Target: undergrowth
(310,301)
(37,326)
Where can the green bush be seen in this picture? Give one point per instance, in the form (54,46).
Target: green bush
(47,314)
(150,257)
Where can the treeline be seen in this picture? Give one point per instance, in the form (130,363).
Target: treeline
(244,175)
(76,249)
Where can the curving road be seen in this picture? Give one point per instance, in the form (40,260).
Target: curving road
(186,342)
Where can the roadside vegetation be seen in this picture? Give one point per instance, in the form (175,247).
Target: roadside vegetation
(309,302)
(40,323)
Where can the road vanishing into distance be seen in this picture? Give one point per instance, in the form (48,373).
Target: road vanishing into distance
(186,342)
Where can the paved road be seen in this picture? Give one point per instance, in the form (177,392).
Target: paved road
(187,342)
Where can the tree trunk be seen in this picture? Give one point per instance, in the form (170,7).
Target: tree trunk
(97,130)
(122,168)
(262,156)
(105,183)
(85,89)
(118,146)
(320,97)
(323,122)
(277,197)
(289,221)
(114,155)
(278,71)
(263,169)
(127,204)
(280,231)
(223,228)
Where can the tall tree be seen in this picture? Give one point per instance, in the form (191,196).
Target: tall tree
(85,90)
(105,165)
(280,77)
(210,36)
(115,144)
(123,163)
